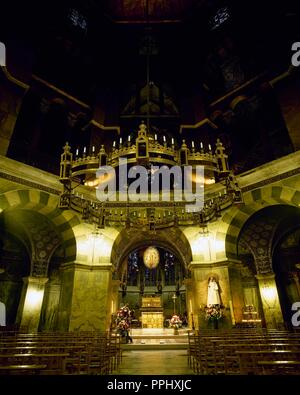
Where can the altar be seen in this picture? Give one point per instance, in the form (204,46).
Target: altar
(152,312)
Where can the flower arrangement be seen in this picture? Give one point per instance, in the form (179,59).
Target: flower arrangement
(213,312)
(123,325)
(123,319)
(175,322)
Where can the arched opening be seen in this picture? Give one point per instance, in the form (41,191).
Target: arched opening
(152,270)
(286,259)
(32,249)
(269,244)
(14,265)
(135,281)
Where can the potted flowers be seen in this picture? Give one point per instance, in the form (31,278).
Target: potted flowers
(213,313)
(123,323)
(175,323)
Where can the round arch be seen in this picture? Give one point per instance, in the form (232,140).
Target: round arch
(46,205)
(255,200)
(171,239)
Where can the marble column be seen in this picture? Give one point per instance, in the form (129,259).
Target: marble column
(270,300)
(115,285)
(50,307)
(236,286)
(31,301)
(190,303)
(87,294)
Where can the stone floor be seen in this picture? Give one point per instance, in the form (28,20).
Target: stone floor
(154,362)
(159,336)
(154,332)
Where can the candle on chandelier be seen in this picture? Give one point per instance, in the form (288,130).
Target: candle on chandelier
(93,148)
(164,138)
(114,144)
(172,141)
(84,150)
(201,145)
(209,147)
(121,140)
(155,137)
(77,152)
(193,144)
(129,138)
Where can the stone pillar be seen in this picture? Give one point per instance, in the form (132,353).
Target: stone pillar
(270,300)
(115,285)
(200,275)
(236,286)
(67,272)
(296,279)
(50,308)
(31,301)
(190,303)
(88,297)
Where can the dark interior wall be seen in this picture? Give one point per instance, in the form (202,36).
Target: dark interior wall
(285,258)
(288,96)
(100,64)
(15,260)
(10,293)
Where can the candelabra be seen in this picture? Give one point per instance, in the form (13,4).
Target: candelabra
(78,177)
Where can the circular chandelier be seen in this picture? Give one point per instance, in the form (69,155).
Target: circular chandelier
(151,257)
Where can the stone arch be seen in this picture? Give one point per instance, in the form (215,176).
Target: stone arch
(172,239)
(46,205)
(255,200)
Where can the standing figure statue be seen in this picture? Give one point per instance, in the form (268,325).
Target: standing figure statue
(213,296)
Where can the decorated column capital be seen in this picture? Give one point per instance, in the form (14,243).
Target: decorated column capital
(38,281)
(265,276)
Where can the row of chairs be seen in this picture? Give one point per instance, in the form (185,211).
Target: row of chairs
(60,353)
(244,351)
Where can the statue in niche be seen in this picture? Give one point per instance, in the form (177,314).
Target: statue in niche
(213,296)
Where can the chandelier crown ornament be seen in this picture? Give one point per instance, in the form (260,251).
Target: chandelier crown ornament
(143,130)
(66,163)
(78,175)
